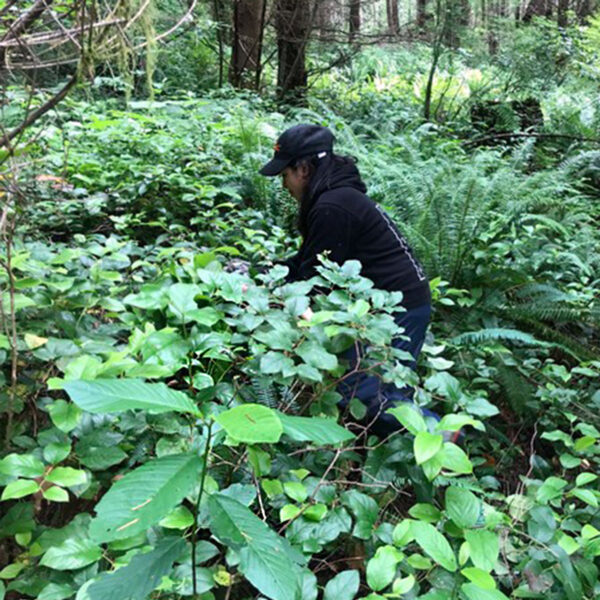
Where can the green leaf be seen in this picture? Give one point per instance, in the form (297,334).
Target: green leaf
(289,511)
(550,489)
(462,506)
(480,578)
(19,489)
(144,496)
(66,476)
(426,445)
(181,300)
(141,576)
(403,585)
(425,512)
(366,511)
(277,362)
(381,569)
(455,422)
(55,452)
(56,494)
(314,355)
(585,478)
(56,591)
(295,490)
(402,534)
(474,592)
(344,586)
(117,395)
(180,518)
(21,465)
(73,553)
(319,430)
(586,496)
(454,459)
(316,512)
(410,417)
(251,423)
(264,556)
(483,548)
(64,415)
(434,544)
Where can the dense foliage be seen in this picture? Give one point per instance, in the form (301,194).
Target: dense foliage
(171,422)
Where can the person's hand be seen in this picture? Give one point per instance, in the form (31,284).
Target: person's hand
(308,314)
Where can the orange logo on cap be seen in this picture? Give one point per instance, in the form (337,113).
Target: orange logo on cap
(277,147)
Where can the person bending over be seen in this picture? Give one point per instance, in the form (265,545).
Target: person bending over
(336,215)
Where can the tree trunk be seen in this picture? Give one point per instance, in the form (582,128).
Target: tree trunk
(247,32)
(561,15)
(537,8)
(421,15)
(392,17)
(292,23)
(584,9)
(354,20)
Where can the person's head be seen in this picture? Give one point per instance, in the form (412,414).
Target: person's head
(296,153)
(304,158)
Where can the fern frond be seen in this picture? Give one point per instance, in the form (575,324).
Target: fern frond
(497,334)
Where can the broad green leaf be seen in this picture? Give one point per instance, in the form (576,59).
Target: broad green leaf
(264,556)
(454,459)
(456,422)
(462,506)
(56,494)
(366,511)
(474,592)
(587,496)
(550,489)
(381,569)
(289,511)
(117,395)
(423,511)
(180,518)
(21,465)
(585,478)
(426,446)
(141,576)
(251,423)
(316,512)
(483,548)
(144,496)
(66,476)
(64,415)
(277,362)
(480,578)
(55,452)
(410,417)
(403,585)
(19,489)
(314,355)
(434,544)
(56,591)
(344,586)
(73,553)
(295,490)
(402,534)
(314,429)
(181,300)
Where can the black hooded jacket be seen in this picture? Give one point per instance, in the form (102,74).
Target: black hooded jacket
(345,221)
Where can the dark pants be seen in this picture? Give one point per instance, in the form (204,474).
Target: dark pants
(370,390)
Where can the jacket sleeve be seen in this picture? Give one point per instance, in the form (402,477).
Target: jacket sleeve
(329,228)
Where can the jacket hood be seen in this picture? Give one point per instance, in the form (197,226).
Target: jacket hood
(336,172)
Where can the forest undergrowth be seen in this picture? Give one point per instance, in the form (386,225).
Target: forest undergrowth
(171,423)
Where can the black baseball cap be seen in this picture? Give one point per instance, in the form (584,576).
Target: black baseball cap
(296,142)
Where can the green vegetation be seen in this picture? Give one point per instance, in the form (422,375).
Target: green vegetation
(171,423)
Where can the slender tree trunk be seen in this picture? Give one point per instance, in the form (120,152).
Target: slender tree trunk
(292,23)
(392,17)
(584,9)
(354,20)
(247,33)
(537,8)
(561,13)
(421,15)
(220,42)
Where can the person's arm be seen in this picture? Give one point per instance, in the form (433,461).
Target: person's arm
(329,228)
